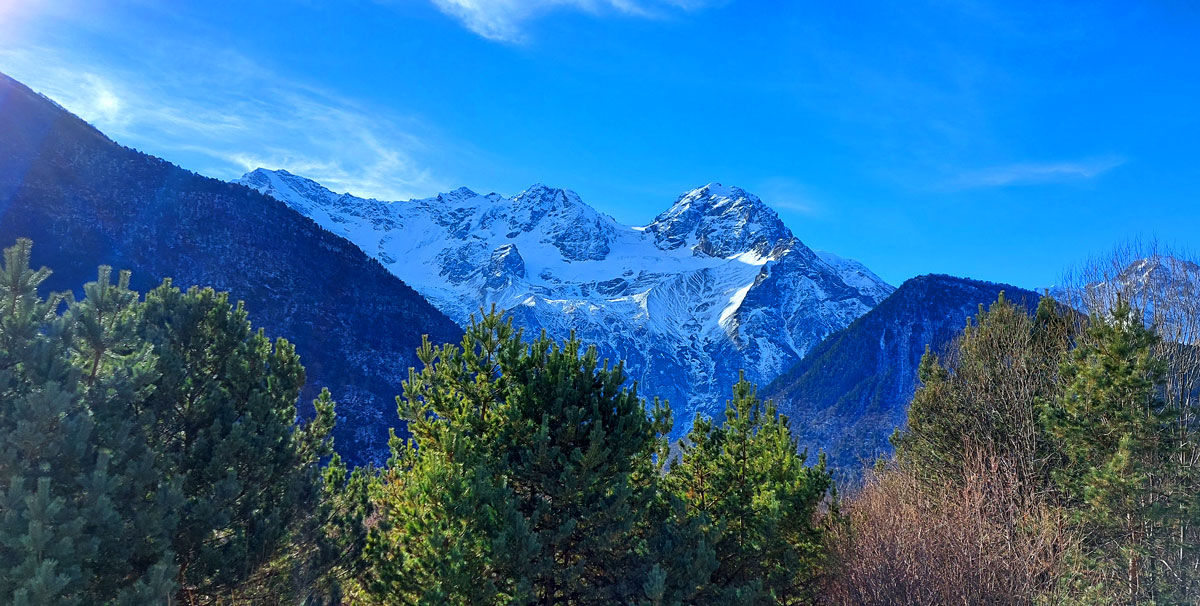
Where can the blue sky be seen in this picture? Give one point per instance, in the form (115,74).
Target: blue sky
(1001,141)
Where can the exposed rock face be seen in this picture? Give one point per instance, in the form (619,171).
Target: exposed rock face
(715,284)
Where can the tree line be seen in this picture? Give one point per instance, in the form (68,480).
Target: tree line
(1048,458)
(151,453)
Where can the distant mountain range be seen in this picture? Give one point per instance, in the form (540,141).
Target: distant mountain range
(86,201)
(714,284)
(851,391)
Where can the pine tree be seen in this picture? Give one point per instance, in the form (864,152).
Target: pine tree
(745,479)
(530,477)
(932,441)
(324,555)
(1121,454)
(223,423)
(984,400)
(118,374)
(79,516)
(150,449)
(321,552)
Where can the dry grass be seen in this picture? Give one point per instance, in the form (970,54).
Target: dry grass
(982,542)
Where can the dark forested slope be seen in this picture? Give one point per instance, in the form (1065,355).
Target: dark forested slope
(852,390)
(86,201)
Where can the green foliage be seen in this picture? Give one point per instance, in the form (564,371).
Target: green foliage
(758,500)
(1122,472)
(222,415)
(82,513)
(322,553)
(984,400)
(1089,432)
(151,448)
(933,438)
(119,374)
(530,477)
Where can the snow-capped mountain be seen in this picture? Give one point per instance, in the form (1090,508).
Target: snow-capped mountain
(856,274)
(714,284)
(1163,286)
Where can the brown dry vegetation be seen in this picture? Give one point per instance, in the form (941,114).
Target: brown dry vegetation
(974,508)
(965,513)
(983,540)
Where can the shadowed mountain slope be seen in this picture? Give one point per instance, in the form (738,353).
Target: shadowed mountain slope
(852,390)
(86,201)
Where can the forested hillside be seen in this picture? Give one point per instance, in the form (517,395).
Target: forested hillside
(849,394)
(151,451)
(87,201)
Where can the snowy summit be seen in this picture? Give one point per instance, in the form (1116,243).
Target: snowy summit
(714,284)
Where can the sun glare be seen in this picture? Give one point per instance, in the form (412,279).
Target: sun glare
(13,14)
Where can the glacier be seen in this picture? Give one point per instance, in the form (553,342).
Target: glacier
(714,285)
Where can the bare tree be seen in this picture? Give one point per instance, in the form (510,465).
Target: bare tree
(982,539)
(1164,284)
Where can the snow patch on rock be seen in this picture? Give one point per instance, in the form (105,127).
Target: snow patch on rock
(714,284)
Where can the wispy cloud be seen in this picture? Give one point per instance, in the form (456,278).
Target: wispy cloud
(1036,173)
(227,115)
(787,194)
(503,20)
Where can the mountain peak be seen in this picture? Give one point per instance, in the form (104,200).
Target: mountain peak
(720,220)
(294,190)
(718,190)
(540,194)
(715,285)
(718,197)
(856,274)
(1156,269)
(460,194)
(261,173)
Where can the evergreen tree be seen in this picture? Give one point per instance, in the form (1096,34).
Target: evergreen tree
(223,423)
(530,478)
(325,553)
(118,374)
(746,480)
(151,448)
(983,402)
(321,552)
(81,519)
(1121,457)
(932,441)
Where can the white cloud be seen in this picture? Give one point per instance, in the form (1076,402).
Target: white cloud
(502,20)
(787,194)
(1036,173)
(227,116)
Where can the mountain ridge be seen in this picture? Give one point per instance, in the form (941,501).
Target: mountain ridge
(852,390)
(687,300)
(85,201)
